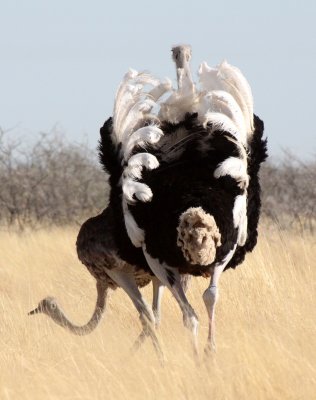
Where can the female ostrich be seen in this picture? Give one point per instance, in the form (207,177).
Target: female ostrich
(104,247)
(185,194)
(98,246)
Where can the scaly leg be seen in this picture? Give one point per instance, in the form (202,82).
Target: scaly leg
(158,289)
(127,282)
(210,297)
(171,278)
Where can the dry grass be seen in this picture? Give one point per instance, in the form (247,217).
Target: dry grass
(266,333)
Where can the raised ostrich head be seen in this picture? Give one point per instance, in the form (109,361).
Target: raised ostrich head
(198,236)
(181,55)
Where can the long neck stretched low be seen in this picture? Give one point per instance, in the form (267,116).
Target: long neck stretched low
(63,321)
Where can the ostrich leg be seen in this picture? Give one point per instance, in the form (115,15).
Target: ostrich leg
(158,289)
(210,297)
(171,278)
(127,282)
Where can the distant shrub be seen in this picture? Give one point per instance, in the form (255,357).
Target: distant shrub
(55,182)
(51,182)
(289,192)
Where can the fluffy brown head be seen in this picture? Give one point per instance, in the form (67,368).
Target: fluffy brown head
(198,236)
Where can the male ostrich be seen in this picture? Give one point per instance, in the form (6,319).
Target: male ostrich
(192,200)
(185,193)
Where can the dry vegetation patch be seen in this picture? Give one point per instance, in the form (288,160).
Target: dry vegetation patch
(266,331)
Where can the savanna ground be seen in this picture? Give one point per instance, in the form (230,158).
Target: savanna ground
(266,328)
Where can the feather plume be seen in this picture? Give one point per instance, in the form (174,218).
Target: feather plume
(146,135)
(160,90)
(135,233)
(239,86)
(220,122)
(146,160)
(227,78)
(223,102)
(136,164)
(132,189)
(240,218)
(234,167)
(209,78)
(135,115)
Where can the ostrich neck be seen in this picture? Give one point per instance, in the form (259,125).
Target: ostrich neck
(184,76)
(60,318)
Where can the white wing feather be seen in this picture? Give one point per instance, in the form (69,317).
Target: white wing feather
(140,190)
(228,78)
(223,100)
(146,135)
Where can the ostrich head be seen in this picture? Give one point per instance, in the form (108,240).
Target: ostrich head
(47,306)
(198,236)
(50,307)
(181,55)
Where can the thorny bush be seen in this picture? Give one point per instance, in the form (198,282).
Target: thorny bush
(55,182)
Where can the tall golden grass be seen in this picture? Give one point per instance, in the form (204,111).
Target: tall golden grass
(266,332)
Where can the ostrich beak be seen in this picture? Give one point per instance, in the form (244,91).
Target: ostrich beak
(35,311)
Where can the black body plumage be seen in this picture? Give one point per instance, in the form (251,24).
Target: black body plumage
(257,154)
(183,169)
(186,181)
(103,237)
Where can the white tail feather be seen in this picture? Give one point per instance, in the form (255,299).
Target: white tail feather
(239,85)
(141,137)
(146,160)
(220,122)
(223,100)
(227,78)
(209,78)
(135,115)
(130,74)
(135,233)
(132,188)
(144,78)
(160,90)
(132,95)
(240,218)
(136,164)
(234,167)
(130,92)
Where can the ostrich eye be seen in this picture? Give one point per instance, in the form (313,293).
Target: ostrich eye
(53,306)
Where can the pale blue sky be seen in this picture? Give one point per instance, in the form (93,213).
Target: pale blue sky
(61,60)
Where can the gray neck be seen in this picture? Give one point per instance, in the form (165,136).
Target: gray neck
(181,55)
(60,318)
